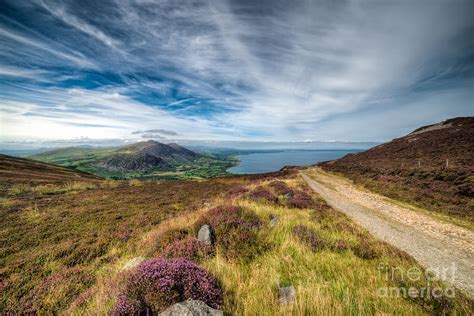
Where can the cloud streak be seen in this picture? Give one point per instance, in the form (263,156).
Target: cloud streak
(266,70)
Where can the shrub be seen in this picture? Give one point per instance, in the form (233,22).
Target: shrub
(189,248)
(366,250)
(281,187)
(260,194)
(135,183)
(165,239)
(339,245)
(159,283)
(235,229)
(238,191)
(308,237)
(300,199)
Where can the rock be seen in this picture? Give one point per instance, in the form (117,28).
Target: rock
(191,308)
(289,195)
(273,221)
(205,235)
(287,295)
(132,263)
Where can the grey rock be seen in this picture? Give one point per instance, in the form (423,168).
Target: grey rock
(191,308)
(205,235)
(132,263)
(289,195)
(273,221)
(287,295)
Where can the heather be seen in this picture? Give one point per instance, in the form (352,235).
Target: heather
(235,230)
(238,191)
(158,283)
(432,170)
(65,253)
(308,237)
(189,248)
(300,199)
(261,194)
(281,188)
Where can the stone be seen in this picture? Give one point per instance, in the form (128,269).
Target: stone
(132,263)
(205,235)
(287,295)
(191,308)
(273,221)
(289,195)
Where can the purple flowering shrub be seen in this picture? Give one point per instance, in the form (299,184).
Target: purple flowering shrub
(67,284)
(261,194)
(238,191)
(308,237)
(159,283)
(281,188)
(300,199)
(189,248)
(235,229)
(165,239)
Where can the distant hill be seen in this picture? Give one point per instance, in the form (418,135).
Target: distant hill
(19,170)
(143,159)
(432,167)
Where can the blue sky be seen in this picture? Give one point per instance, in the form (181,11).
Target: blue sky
(232,70)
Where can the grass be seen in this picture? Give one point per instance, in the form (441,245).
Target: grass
(64,253)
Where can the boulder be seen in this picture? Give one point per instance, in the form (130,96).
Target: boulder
(191,308)
(205,235)
(132,263)
(287,295)
(273,221)
(289,195)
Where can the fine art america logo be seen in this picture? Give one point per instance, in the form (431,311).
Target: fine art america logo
(415,282)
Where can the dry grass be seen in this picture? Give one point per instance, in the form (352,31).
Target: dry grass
(58,255)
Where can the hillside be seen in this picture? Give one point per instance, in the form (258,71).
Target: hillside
(70,249)
(148,159)
(432,167)
(20,171)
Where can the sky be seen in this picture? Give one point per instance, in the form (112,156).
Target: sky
(279,71)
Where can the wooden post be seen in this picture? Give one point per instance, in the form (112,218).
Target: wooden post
(447,163)
(419,163)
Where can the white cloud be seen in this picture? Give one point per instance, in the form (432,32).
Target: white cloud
(231,69)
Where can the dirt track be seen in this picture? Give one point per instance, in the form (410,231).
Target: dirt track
(434,244)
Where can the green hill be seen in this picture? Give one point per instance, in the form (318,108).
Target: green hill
(149,159)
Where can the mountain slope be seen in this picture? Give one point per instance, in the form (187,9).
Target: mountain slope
(15,170)
(145,156)
(143,159)
(431,167)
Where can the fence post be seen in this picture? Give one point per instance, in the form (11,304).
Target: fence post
(447,163)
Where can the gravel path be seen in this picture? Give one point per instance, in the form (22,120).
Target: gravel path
(434,244)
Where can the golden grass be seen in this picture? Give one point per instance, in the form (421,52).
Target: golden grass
(326,282)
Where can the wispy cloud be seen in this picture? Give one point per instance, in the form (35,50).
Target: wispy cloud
(232,69)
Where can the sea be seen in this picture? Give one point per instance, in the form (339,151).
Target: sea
(273,161)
